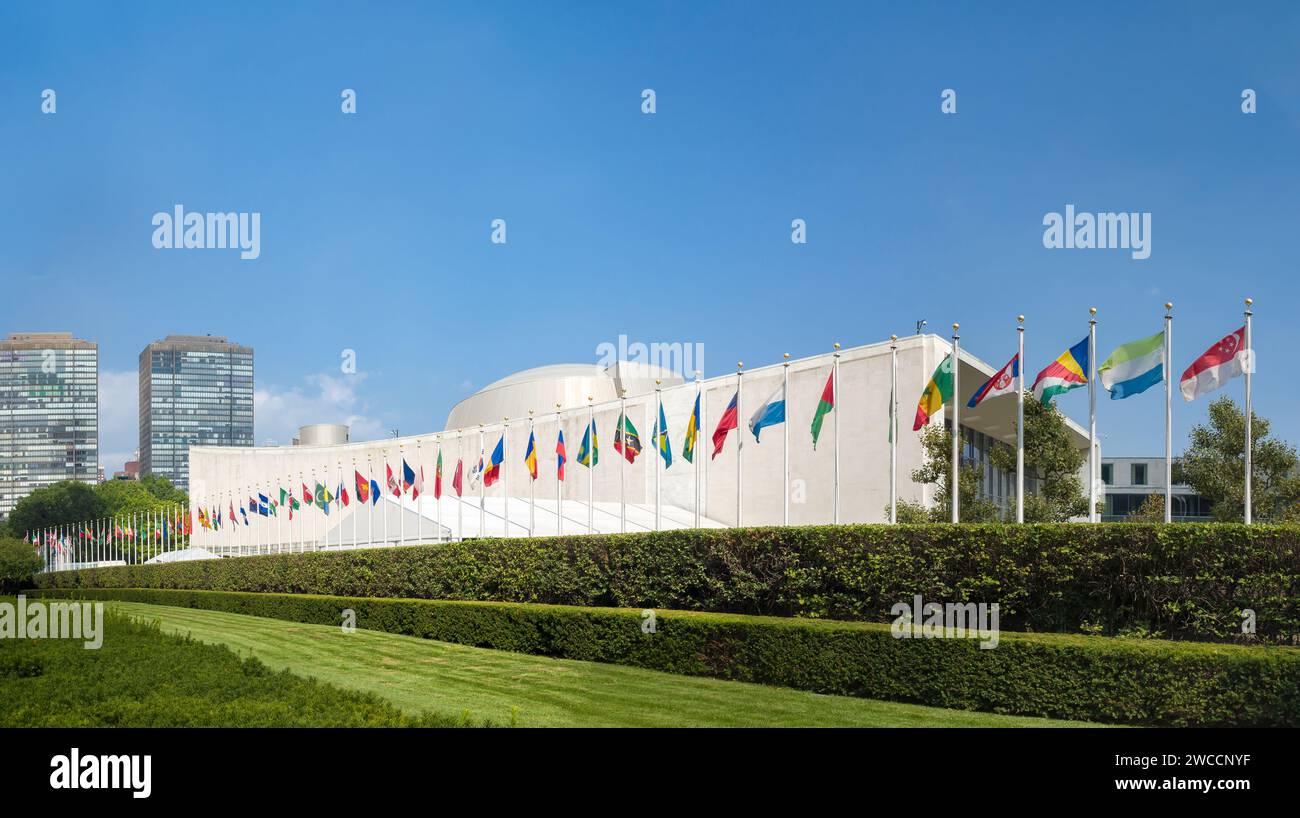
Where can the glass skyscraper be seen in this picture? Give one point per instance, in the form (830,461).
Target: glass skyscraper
(194,390)
(49,413)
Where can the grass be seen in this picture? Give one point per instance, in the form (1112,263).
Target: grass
(142,677)
(418,675)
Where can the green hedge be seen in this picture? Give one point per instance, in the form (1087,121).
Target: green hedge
(1093,678)
(1179,581)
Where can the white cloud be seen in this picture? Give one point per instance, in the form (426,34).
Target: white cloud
(119,418)
(278,412)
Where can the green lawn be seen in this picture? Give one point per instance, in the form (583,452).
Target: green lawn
(419,675)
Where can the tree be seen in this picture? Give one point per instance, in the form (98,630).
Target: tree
(1215,464)
(936,443)
(162,488)
(19,562)
(1152,510)
(59,504)
(1052,461)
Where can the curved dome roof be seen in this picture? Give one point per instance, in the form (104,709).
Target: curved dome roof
(569,385)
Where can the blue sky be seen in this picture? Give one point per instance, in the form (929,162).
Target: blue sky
(666,227)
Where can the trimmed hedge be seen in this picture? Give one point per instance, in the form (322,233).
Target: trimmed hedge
(1180,581)
(1060,676)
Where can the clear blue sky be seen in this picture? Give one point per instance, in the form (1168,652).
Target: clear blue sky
(670,227)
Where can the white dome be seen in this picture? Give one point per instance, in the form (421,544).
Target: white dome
(568,385)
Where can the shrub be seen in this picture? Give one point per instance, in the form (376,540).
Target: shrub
(19,562)
(1179,581)
(1061,676)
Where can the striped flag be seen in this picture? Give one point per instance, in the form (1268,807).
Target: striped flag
(1065,373)
(1134,367)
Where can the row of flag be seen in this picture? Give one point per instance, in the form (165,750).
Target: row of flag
(1130,370)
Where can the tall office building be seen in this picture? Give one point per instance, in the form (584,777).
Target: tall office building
(194,390)
(49,413)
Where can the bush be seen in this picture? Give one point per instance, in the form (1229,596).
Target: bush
(1070,677)
(19,563)
(1180,581)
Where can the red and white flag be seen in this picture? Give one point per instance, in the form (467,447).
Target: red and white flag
(1225,360)
(392,483)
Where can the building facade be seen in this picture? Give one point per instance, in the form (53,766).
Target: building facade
(195,390)
(49,413)
(1130,481)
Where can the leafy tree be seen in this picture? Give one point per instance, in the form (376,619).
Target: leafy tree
(1052,462)
(59,504)
(129,496)
(162,488)
(1152,510)
(1215,464)
(936,442)
(19,562)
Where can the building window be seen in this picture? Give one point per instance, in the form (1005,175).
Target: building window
(1139,474)
(1108,473)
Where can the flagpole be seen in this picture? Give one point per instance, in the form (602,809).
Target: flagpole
(1092,415)
(785,442)
(559,484)
(659,440)
(954,482)
(437,482)
(893,428)
(460,501)
(1169,413)
(505,474)
(740,443)
(835,419)
(1020,420)
(695,450)
(1250,369)
(591,466)
(701,463)
(532,478)
(482,509)
(622,460)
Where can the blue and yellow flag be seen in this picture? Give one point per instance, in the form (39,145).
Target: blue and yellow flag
(692,432)
(589,451)
(660,438)
(530,456)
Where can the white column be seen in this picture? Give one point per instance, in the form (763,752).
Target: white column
(954,482)
(1020,420)
(1250,443)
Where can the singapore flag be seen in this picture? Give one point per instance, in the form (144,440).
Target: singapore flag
(1225,360)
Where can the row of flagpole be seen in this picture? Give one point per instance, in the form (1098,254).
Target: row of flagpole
(1091,380)
(133,537)
(1224,360)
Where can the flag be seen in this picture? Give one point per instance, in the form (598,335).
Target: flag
(726,423)
(392,482)
(493,472)
(375,493)
(218,518)
(1134,367)
(1225,360)
(1065,373)
(824,406)
(937,392)
(476,473)
(1003,382)
(660,438)
(560,456)
(626,440)
(283,495)
(589,449)
(343,495)
(243,513)
(363,488)
(770,413)
(455,478)
(692,432)
(437,478)
(232,511)
(306,495)
(293,505)
(408,477)
(530,456)
(418,486)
